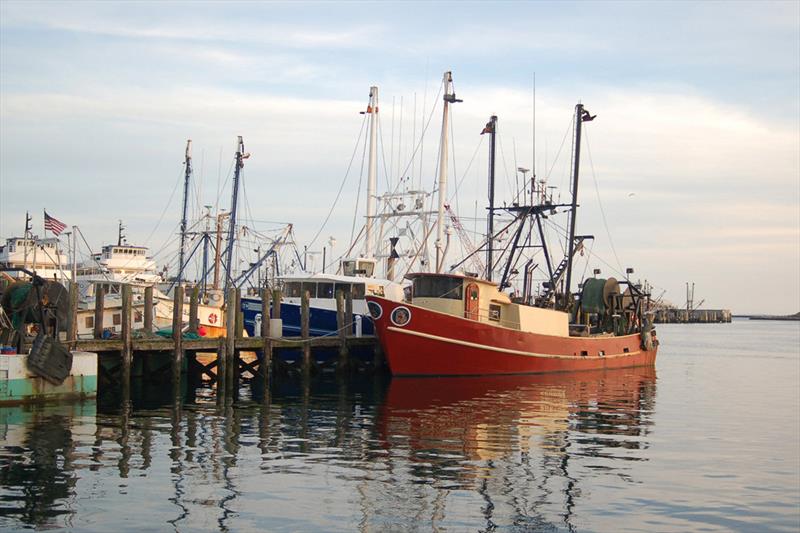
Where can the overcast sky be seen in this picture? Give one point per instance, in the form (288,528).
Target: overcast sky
(695,151)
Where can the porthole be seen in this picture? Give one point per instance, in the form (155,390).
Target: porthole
(375,310)
(401,316)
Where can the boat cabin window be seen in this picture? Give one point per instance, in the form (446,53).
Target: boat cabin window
(310,287)
(494,312)
(349,268)
(292,289)
(358,291)
(438,287)
(324,290)
(375,290)
(365,268)
(352,267)
(344,287)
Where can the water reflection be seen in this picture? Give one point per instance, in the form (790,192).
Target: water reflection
(513,440)
(457,453)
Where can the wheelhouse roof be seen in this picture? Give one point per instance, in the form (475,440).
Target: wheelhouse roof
(471,279)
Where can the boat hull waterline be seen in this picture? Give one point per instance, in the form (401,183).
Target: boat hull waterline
(437,344)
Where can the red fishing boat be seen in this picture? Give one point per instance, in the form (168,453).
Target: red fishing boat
(459,324)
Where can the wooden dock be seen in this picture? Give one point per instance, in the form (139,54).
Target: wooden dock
(228,359)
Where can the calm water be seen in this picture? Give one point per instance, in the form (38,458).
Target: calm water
(709,441)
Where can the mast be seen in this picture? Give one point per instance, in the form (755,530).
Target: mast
(120,236)
(449,98)
(218,248)
(491,128)
(372,110)
(581,116)
(187,176)
(25,239)
(240,157)
(74,253)
(206,239)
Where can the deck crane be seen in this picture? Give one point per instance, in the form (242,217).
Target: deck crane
(474,258)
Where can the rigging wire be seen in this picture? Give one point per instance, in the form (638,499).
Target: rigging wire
(599,201)
(164,211)
(341,186)
(358,192)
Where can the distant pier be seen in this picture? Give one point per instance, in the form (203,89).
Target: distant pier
(694,316)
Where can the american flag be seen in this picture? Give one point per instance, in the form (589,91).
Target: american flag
(54,225)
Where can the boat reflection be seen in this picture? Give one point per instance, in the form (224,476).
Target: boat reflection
(538,437)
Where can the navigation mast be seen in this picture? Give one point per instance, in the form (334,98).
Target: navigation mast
(187,177)
(372,110)
(581,116)
(240,157)
(449,98)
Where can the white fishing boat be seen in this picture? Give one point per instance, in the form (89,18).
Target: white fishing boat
(42,256)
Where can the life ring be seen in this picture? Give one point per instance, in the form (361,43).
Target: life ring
(212,318)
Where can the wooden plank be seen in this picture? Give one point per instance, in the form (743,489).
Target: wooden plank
(177,335)
(99,302)
(148,309)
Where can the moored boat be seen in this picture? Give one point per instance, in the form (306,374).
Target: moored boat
(459,324)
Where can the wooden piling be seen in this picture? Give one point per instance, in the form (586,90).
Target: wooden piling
(276,304)
(239,315)
(127,343)
(72,316)
(177,335)
(99,302)
(194,300)
(341,326)
(305,316)
(148,309)
(230,338)
(348,312)
(266,355)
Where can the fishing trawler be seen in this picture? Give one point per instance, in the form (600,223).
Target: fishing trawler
(459,324)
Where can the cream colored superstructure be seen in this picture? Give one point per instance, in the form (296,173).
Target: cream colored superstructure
(493,306)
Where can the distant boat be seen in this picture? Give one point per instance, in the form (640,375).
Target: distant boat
(458,324)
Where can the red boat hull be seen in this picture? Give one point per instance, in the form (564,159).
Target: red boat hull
(438,344)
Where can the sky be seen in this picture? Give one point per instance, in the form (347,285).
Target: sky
(690,173)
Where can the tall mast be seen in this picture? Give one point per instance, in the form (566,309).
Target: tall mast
(372,178)
(187,177)
(581,116)
(490,128)
(240,157)
(449,98)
